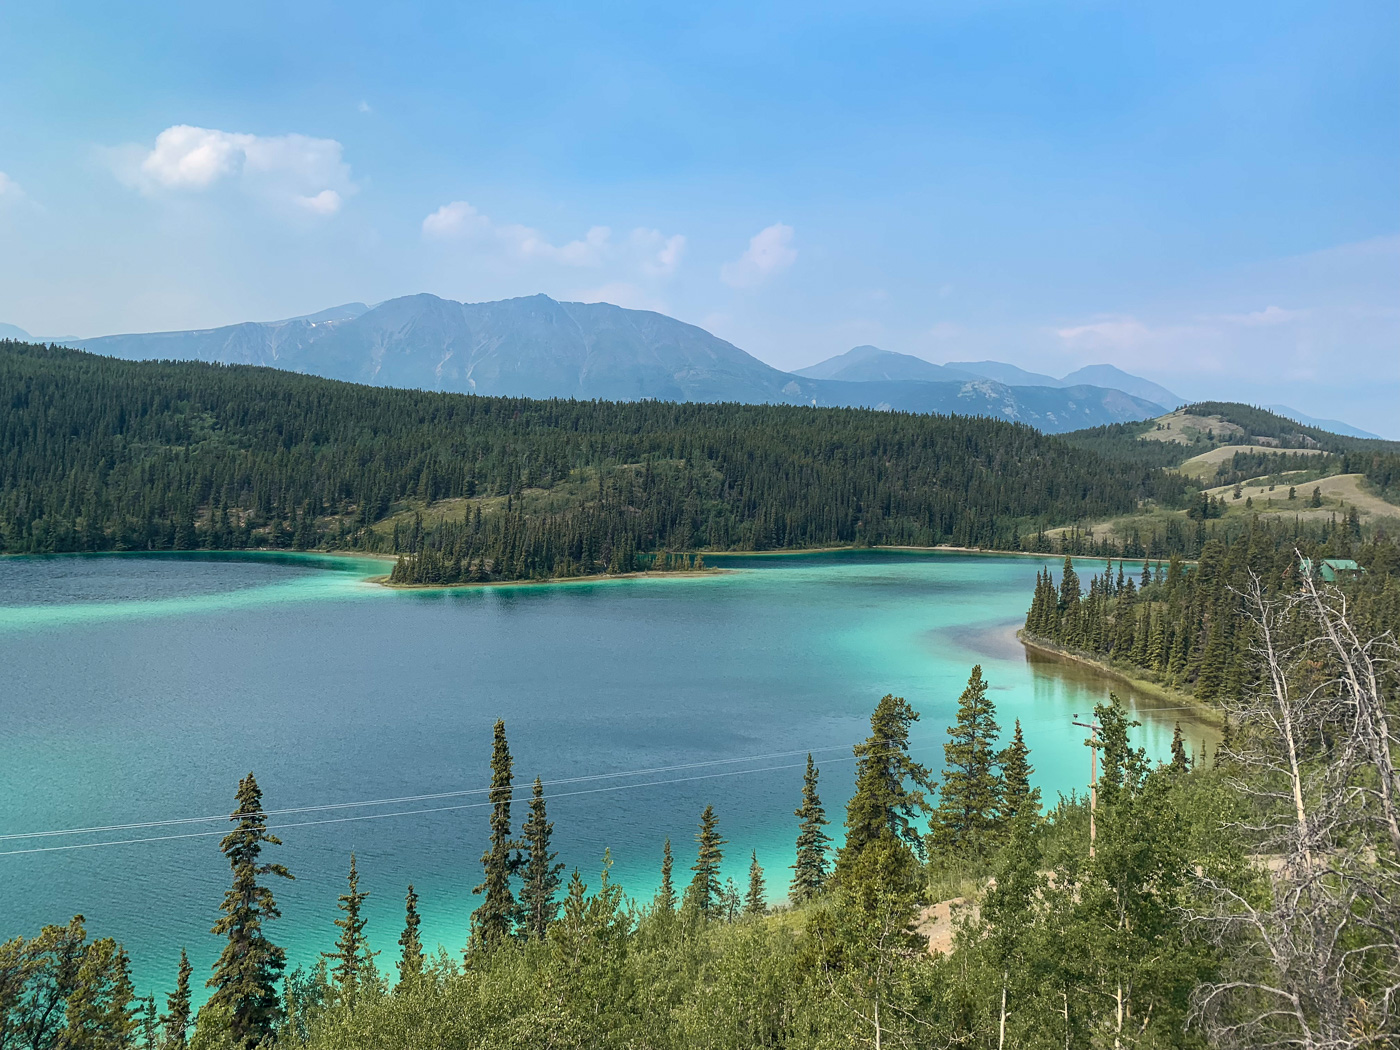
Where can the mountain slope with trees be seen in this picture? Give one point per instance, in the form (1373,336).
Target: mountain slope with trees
(100,454)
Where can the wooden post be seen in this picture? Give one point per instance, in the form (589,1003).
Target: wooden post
(1093,742)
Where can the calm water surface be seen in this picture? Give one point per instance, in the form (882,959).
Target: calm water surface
(137,689)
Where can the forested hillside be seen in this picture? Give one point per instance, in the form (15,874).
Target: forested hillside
(101,454)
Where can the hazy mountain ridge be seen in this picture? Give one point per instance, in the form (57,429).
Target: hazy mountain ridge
(537,347)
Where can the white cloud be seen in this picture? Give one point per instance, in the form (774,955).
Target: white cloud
(327,202)
(658,255)
(461,221)
(458,219)
(1270,315)
(307,173)
(10,189)
(650,252)
(770,252)
(1115,333)
(365,107)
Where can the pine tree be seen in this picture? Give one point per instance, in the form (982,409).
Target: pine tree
(1122,767)
(1180,763)
(411,945)
(100,1011)
(493,920)
(666,894)
(809,873)
(246,973)
(1016,794)
(542,875)
(882,805)
(150,1024)
(755,900)
(176,1021)
(352,963)
(1069,585)
(968,800)
(704,892)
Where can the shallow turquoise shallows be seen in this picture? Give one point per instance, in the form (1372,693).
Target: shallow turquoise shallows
(139,689)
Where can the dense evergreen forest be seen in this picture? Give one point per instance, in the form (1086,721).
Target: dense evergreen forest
(1245,899)
(1190,628)
(100,454)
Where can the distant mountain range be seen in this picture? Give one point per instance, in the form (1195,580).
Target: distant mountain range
(537,347)
(1336,426)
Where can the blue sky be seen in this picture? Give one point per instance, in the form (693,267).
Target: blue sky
(1208,194)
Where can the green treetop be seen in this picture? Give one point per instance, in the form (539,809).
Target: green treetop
(246,973)
(352,963)
(883,804)
(809,873)
(411,945)
(1017,795)
(666,894)
(493,920)
(1179,763)
(755,900)
(542,875)
(967,804)
(704,892)
(176,1021)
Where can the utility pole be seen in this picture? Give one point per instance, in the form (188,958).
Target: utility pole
(1093,743)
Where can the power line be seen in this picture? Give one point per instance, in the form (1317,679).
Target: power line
(445,809)
(175,822)
(402,813)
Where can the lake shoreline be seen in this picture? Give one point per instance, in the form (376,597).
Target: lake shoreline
(384,581)
(1203,712)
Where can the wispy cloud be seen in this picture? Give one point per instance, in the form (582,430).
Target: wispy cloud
(649,253)
(770,252)
(308,174)
(9,189)
(1265,318)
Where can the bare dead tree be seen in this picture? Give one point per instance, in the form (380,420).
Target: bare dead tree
(1313,929)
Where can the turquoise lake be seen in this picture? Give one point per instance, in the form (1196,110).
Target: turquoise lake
(138,689)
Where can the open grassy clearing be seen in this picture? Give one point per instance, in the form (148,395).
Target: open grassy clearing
(1183,428)
(1340,492)
(1205,465)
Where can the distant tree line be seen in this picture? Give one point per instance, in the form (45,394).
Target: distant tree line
(101,454)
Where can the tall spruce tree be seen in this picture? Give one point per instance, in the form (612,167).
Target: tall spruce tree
(176,1021)
(352,963)
(967,803)
(1016,794)
(1179,763)
(410,943)
(756,899)
(542,876)
(666,893)
(705,891)
(246,973)
(494,919)
(1122,767)
(882,804)
(809,873)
